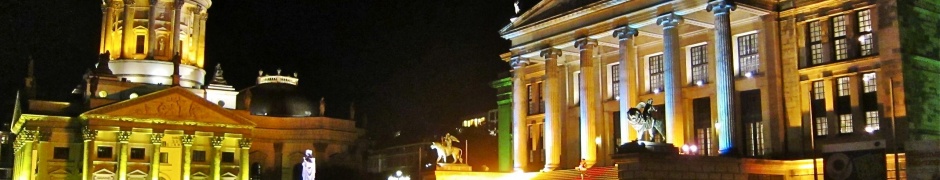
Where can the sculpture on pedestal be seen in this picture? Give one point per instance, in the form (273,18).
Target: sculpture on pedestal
(445,149)
(641,118)
(309,164)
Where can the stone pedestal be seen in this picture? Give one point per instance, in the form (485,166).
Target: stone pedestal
(454,167)
(647,147)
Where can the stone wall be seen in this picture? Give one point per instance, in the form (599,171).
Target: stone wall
(645,166)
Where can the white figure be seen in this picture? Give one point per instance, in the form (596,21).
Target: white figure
(309,166)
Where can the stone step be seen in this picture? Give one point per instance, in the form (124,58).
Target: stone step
(593,173)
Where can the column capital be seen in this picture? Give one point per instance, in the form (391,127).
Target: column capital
(217,141)
(89,134)
(179,4)
(26,135)
(625,32)
(156,138)
(187,139)
(244,143)
(550,53)
(124,136)
(669,20)
(518,62)
(585,43)
(721,6)
(204,16)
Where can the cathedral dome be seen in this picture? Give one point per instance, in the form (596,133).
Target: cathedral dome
(275,99)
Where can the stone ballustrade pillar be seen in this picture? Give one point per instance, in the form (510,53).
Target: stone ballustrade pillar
(724,74)
(519,113)
(244,163)
(157,140)
(627,72)
(553,107)
(671,67)
(187,155)
(88,146)
(123,138)
(217,157)
(152,30)
(589,103)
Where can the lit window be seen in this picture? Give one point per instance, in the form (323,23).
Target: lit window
(531,99)
(865,36)
(137,153)
(822,126)
(815,43)
(615,81)
(819,92)
(755,138)
(748,59)
(576,87)
(140,44)
(845,123)
(870,85)
(656,73)
(843,85)
(702,136)
(838,34)
(872,120)
(699,64)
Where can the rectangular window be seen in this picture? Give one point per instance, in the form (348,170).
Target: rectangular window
(843,85)
(748,59)
(753,122)
(531,99)
(164,157)
(199,156)
(755,138)
(140,44)
(615,81)
(815,43)
(869,83)
(699,64)
(839,37)
(138,153)
(866,43)
(819,90)
(576,87)
(845,123)
(228,157)
(60,153)
(701,114)
(822,126)
(656,73)
(540,94)
(872,120)
(104,151)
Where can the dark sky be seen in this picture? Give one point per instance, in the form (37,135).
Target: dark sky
(411,65)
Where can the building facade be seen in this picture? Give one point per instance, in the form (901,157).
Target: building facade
(145,113)
(753,79)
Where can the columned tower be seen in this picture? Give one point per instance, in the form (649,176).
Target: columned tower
(143,35)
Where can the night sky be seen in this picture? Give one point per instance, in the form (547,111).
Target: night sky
(417,66)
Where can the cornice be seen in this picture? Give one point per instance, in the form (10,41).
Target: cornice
(188,122)
(509,33)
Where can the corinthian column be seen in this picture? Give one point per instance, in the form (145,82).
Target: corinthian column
(589,103)
(724,80)
(157,140)
(152,29)
(178,17)
(123,137)
(627,71)
(187,155)
(88,145)
(26,138)
(128,29)
(217,157)
(245,145)
(104,25)
(670,23)
(519,112)
(553,107)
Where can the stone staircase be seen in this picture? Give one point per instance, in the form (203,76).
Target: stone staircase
(594,173)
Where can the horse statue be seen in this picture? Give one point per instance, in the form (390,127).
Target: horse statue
(443,152)
(642,120)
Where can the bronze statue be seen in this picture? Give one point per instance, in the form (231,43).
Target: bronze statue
(642,120)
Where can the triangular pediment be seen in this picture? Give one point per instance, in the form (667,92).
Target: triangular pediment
(547,9)
(174,105)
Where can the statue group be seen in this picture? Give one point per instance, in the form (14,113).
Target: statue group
(641,118)
(445,149)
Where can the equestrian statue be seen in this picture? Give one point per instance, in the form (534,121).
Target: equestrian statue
(641,118)
(445,149)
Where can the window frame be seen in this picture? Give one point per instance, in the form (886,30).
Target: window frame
(614,80)
(845,124)
(821,126)
(655,72)
(814,43)
(747,53)
(840,44)
(110,150)
(142,153)
(865,32)
(698,62)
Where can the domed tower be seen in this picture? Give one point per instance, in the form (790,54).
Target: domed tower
(142,37)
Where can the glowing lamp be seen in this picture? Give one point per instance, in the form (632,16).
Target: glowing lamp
(748,74)
(656,91)
(685,149)
(869,129)
(699,83)
(693,148)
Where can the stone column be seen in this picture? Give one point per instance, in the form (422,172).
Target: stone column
(201,47)
(157,140)
(589,103)
(217,157)
(123,137)
(17,156)
(627,73)
(724,74)
(104,25)
(671,66)
(27,138)
(152,30)
(128,29)
(553,109)
(178,17)
(244,163)
(519,112)
(88,146)
(196,27)
(108,31)
(187,155)
(42,147)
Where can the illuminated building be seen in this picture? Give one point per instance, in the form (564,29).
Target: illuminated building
(140,116)
(765,82)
